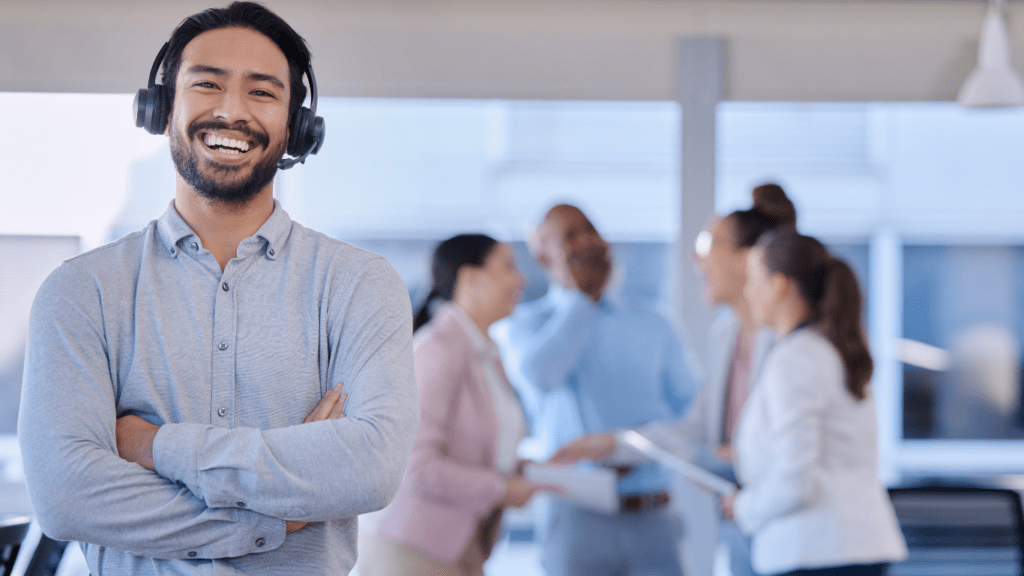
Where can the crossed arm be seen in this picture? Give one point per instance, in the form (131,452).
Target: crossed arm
(217,492)
(135,436)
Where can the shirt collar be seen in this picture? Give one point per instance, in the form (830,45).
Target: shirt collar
(173,229)
(562,295)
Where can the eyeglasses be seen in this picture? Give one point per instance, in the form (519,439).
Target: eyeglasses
(702,244)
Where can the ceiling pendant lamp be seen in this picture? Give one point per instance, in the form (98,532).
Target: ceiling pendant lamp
(993,82)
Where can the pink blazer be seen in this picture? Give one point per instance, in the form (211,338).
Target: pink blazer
(451,482)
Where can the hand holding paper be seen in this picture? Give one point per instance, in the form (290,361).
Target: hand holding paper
(593,488)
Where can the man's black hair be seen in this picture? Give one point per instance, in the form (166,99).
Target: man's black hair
(242,15)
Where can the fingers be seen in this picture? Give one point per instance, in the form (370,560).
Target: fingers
(338,410)
(325,406)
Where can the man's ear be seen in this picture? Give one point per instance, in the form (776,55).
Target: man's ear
(542,259)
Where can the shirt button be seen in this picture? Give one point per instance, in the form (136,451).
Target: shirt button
(173,251)
(271,251)
(260,542)
(192,554)
(223,346)
(224,286)
(195,246)
(241,504)
(222,412)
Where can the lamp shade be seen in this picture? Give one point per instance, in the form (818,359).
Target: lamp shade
(993,82)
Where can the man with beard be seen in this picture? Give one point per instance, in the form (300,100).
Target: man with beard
(224,391)
(598,365)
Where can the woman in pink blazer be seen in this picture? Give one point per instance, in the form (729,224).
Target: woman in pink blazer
(463,470)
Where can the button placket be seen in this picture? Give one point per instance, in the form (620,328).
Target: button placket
(223,374)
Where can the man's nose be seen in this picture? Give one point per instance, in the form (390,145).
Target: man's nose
(233,105)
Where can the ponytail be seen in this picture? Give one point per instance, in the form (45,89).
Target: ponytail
(829,287)
(839,316)
(424,314)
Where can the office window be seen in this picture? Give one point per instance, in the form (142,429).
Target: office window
(963,309)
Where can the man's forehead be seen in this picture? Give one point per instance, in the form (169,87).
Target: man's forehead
(236,50)
(563,218)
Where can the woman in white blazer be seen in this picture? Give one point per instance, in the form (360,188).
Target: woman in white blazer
(735,350)
(805,446)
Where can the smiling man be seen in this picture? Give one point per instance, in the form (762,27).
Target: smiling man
(224,391)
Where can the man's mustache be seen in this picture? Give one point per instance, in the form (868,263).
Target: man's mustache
(259,137)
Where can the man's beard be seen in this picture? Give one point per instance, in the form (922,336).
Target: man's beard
(239,192)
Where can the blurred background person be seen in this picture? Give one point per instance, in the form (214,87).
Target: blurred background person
(463,471)
(736,347)
(805,445)
(599,365)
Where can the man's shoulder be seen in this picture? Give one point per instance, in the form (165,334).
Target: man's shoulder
(114,259)
(338,256)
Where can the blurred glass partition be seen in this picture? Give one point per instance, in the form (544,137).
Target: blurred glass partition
(967,304)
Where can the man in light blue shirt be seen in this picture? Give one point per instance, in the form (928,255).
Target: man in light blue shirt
(599,365)
(224,391)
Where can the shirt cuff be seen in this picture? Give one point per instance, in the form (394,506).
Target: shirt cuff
(176,454)
(741,513)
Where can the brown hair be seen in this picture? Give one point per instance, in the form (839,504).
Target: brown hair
(829,287)
(772,210)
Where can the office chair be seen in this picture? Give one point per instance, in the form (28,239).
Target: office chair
(12,532)
(958,530)
(46,558)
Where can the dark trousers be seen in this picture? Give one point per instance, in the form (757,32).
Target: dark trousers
(851,570)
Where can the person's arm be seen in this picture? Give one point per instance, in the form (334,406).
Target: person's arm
(335,468)
(679,384)
(796,403)
(80,488)
(441,377)
(547,343)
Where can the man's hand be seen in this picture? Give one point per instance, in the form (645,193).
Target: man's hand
(135,440)
(330,407)
(728,504)
(591,267)
(590,447)
(724,451)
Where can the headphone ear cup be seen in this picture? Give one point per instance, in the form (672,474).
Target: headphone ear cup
(151,109)
(161,109)
(299,139)
(319,131)
(139,107)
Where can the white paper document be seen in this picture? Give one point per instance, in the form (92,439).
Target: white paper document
(694,473)
(594,488)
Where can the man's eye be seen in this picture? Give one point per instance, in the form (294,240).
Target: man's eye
(206,84)
(262,93)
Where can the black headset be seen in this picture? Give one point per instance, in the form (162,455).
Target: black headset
(152,107)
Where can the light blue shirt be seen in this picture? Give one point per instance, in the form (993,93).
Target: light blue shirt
(595,367)
(229,364)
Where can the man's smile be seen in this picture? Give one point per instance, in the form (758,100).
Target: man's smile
(225,144)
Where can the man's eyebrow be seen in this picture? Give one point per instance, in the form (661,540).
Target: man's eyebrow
(204,69)
(254,76)
(260,77)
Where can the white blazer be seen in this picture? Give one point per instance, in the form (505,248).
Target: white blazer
(806,454)
(701,429)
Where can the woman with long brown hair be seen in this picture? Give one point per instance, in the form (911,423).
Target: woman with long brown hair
(463,471)
(805,445)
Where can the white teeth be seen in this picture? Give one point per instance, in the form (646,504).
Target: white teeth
(212,140)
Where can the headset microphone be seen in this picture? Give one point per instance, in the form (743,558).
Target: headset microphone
(152,107)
